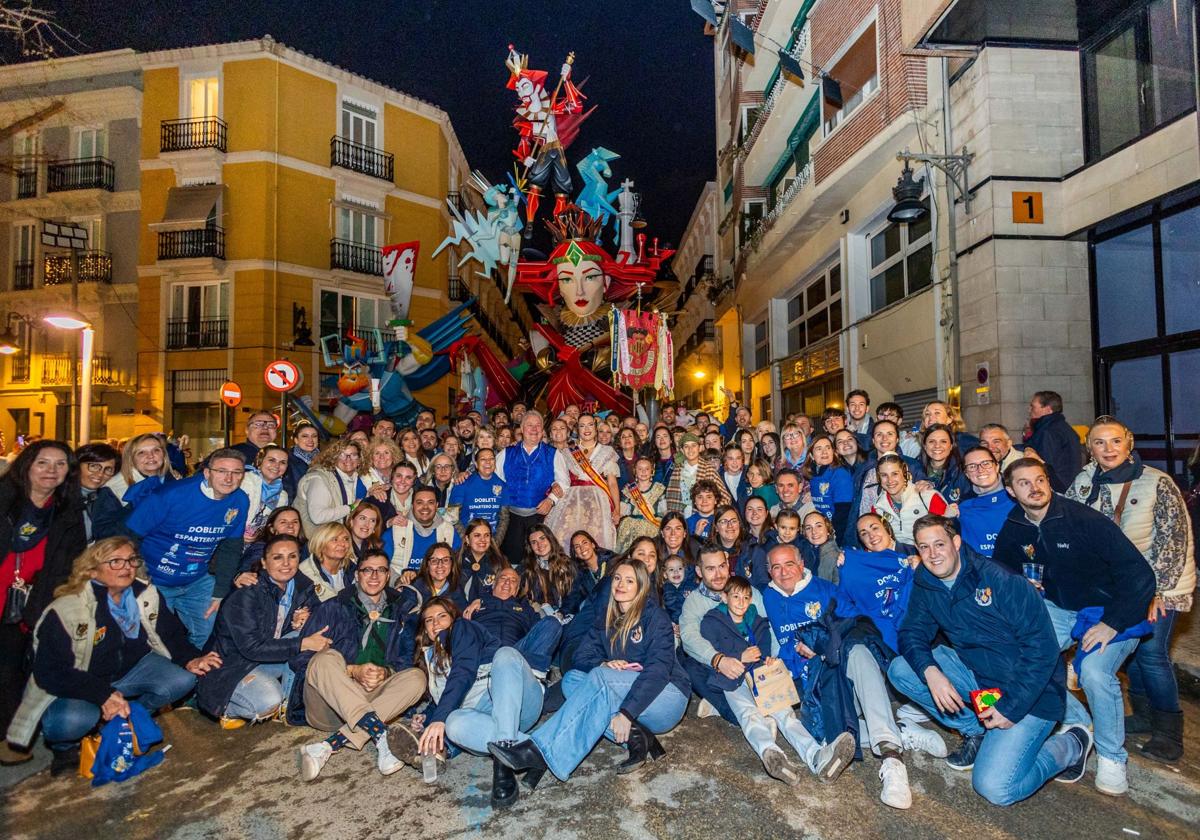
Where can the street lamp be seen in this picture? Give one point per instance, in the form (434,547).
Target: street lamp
(8,343)
(699,374)
(70,319)
(907,193)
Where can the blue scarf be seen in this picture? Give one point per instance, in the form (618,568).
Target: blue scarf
(306,457)
(270,492)
(285,605)
(1131,470)
(126,613)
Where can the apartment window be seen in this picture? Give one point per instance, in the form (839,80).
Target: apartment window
(89,143)
(199,315)
(18,363)
(358,226)
(359,123)
(749,116)
(24,239)
(26,147)
(857,73)
(814,310)
(343,313)
(901,259)
(1138,75)
(203,97)
(762,346)
(752,216)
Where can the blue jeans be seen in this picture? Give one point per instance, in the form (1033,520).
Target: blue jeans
(154,681)
(1098,676)
(1150,671)
(512,705)
(592,699)
(1012,764)
(261,692)
(190,602)
(539,644)
(699,673)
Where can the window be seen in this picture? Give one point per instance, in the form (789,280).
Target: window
(24,239)
(762,347)
(1147,344)
(359,123)
(901,259)
(857,74)
(746,124)
(752,216)
(358,226)
(199,315)
(18,364)
(1138,76)
(203,97)
(814,310)
(89,143)
(343,313)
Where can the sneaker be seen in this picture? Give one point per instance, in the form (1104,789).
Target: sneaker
(1110,776)
(706,709)
(402,743)
(912,713)
(1073,772)
(834,757)
(232,723)
(385,760)
(311,758)
(918,738)
(963,758)
(896,793)
(778,766)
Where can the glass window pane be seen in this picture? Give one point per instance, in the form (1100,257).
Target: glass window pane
(329,312)
(818,326)
(1115,112)
(1172,81)
(1125,287)
(794,307)
(887,287)
(920,266)
(835,316)
(1136,396)
(922,226)
(816,294)
(835,280)
(1185,396)
(1181,270)
(760,332)
(795,339)
(884,244)
(346,322)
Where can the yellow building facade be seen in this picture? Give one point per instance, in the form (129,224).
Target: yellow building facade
(269,182)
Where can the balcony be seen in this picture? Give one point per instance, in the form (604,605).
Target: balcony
(22,275)
(56,370)
(355,256)
(359,158)
(197,333)
(706,331)
(191,244)
(456,289)
(93,173)
(27,183)
(195,133)
(94,267)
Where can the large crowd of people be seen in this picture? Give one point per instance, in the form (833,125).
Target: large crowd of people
(520,587)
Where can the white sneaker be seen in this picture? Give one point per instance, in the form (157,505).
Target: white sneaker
(312,758)
(1110,776)
(386,762)
(912,713)
(896,793)
(706,709)
(914,737)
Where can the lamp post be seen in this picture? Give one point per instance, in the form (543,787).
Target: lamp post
(72,320)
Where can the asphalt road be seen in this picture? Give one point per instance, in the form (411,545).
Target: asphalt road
(243,784)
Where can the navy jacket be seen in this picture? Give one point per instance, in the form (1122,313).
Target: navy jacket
(718,629)
(595,603)
(1089,561)
(244,636)
(674,594)
(508,620)
(586,582)
(1058,445)
(651,644)
(998,625)
(295,471)
(346,628)
(471,647)
(743,488)
(750,562)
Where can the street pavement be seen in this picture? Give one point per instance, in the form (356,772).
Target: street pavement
(243,784)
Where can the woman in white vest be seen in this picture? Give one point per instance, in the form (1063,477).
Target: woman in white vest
(105,640)
(330,561)
(1149,509)
(333,485)
(264,486)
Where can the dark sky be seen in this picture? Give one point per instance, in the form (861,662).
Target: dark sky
(648,65)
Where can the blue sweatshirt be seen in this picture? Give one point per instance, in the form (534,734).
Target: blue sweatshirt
(789,614)
(180,527)
(982,517)
(876,584)
(479,498)
(831,485)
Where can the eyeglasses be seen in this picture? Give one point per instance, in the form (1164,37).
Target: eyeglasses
(727,522)
(982,466)
(439,560)
(227,473)
(100,469)
(261,424)
(373,572)
(349,456)
(118,563)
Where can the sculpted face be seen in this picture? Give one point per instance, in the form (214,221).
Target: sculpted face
(581,282)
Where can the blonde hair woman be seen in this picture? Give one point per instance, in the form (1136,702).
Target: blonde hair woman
(329,561)
(333,485)
(382,455)
(628,682)
(126,628)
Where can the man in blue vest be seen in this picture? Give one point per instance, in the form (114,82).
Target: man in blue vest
(532,472)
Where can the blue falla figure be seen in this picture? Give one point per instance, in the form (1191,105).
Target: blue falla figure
(595,199)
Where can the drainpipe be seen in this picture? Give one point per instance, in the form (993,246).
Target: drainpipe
(954,368)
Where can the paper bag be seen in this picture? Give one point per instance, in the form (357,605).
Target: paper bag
(772,688)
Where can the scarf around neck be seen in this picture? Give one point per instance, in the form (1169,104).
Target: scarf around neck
(306,457)
(1130,470)
(126,613)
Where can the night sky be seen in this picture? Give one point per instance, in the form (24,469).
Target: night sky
(650,72)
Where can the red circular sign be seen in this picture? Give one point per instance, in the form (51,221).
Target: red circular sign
(282,376)
(231,394)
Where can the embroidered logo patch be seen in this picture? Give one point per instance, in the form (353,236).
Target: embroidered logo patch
(489,580)
(954,494)
(1029,551)
(823,487)
(27,529)
(983,597)
(230,515)
(813,609)
(636,635)
(497,489)
(80,631)
(101,632)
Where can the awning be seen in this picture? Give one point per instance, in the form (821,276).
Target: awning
(189,207)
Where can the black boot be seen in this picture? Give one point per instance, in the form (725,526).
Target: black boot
(643,747)
(532,777)
(1138,723)
(553,698)
(1166,737)
(65,761)
(504,785)
(517,755)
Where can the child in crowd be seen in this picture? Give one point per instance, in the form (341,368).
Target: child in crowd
(704,504)
(785,532)
(821,549)
(735,628)
(679,581)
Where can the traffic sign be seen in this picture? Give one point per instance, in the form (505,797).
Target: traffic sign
(282,376)
(231,394)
